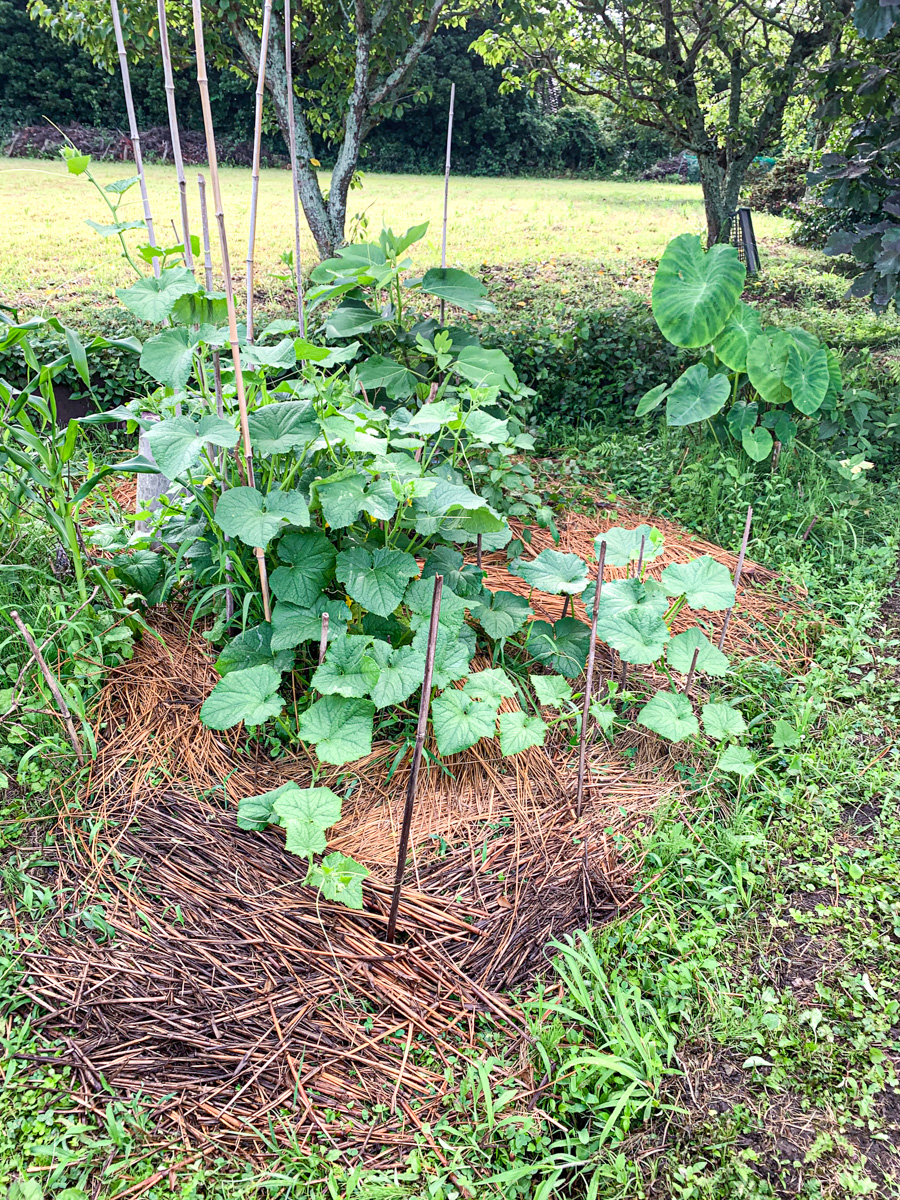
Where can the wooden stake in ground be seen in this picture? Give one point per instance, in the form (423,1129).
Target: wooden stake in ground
(447,186)
(52,685)
(737,573)
(589,683)
(295,175)
(257,147)
(323,639)
(640,565)
(173,132)
(133,132)
(203,83)
(421,729)
(690,674)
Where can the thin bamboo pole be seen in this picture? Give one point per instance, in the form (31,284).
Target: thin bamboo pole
(133,131)
(323,638)
(447,184)
(257,147)
(52,685)
(421,730)
(589,683)
(295,174)
(690,674)
(737,573)
(203,83)
(169,81)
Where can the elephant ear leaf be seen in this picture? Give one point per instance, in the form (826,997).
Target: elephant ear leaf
(808,379)
(696,396)
(695,292)
(733,341)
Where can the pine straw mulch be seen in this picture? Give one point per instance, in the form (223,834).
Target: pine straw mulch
(232,997)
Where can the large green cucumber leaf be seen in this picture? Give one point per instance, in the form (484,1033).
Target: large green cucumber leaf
(694,293)
(460,720)
(465,579)
(721,721)
(737,759)
(341,497)
(451,657)
(520,732)
(379,371)
(562,647)
(640,636)
(319,805)
(254,518)
(178,441)
(620,596)
(152,299)
(704,583)
(253,648)
(401,672)
(348,670)
(503,616)
(670,715)
(553,572)
(552,691)
(490,684)
(339,727)
(376,579)
(292,625)
(308,559)
(250,696)
(623,546)
(458,288)
(351,318)
(282,427)
(680,653)
(168,357)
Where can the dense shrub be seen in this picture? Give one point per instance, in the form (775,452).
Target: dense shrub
(781,190)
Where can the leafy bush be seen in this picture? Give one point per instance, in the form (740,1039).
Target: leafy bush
(780,190)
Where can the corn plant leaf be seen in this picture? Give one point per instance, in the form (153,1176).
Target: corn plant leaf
(695,292)
(292,625)
(460,720)
(670,715)
(178,442)
(288,425)
(623,546)
(308,559)
(379,371)
(347,669)
(652,399)
(339,878)
(401,672)
(339,727)
(640,636)
(490,684)
(738,760)
(519,732)
(757,443)
(304,838)
(553,572)
(376,579)
(680,653)
(767,358)
(552,691)
(253,648)
(457,288)
(734,339)
(254,518)
(451,657)
(703,582)
(696,396)
(808,378)
(152,299)
(168,357)
(341,498)
(562,647)
(721,721)
(503,615)
(318,805)
(250,696)
(465,579)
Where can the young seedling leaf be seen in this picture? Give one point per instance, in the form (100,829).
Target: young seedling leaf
(553,572)
(304,838)
(309,559)
(178,442)
(519,732)
(250,696)
(704,583)
(503,616)
(738,760)
(670,715)
(253,648)
(721,721)
(339,878)
(552,691)
(694,293)
(319,805)
(289,425)
(340,728)
(254,519)
(696,396)
(562,647)
(376,579)
(460,720)
(623,546)
(603,714)
(680,653)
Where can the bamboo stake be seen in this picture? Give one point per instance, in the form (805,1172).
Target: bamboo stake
(257,147)
(323,640)
(640,565)
(447,186)
(737,573)
(589,684)
(134,134)
(478,550)
(295,174)
(203,83)
(690,675)
(52,685)
(421,729)
(173,132)
(217,370)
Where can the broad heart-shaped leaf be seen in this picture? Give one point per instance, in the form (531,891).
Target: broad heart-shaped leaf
(140,571)
(460,720)
(253,648)
(292,625)
(652,399)
(341,498)
(250,696)
(379,371)
(694,293)
(680,653)
(339,728)
(620,596)
(562,647)
(734,340)
(280,356)
(169,357)
(741,416)
(696,396)
(304,838)
(808,379)
(552,691)
(757,443)
(767,358)
(379,500)
(553,572)
(623,546)
(458,288)
(504,615)
(177,442)
(452,655)
(376,579)
(670,715)
(254,519)
(402,671)
(255,812)
(351,318)
(485,368)
(640,636)
(465,579)
(319,805)
(453,506)
(484,429)
(339,878)
(519,732)
(153,299)
(282,427)
(721,721)
(309,559)
(347,670)
(704,583)
(419,599)
(738,760)
(490,684)
(874,20)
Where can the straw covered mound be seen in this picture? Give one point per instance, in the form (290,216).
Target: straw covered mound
(196,970)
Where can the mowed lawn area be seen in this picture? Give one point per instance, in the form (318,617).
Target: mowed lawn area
(51,260)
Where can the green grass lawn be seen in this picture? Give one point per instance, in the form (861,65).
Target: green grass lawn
(50,259)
